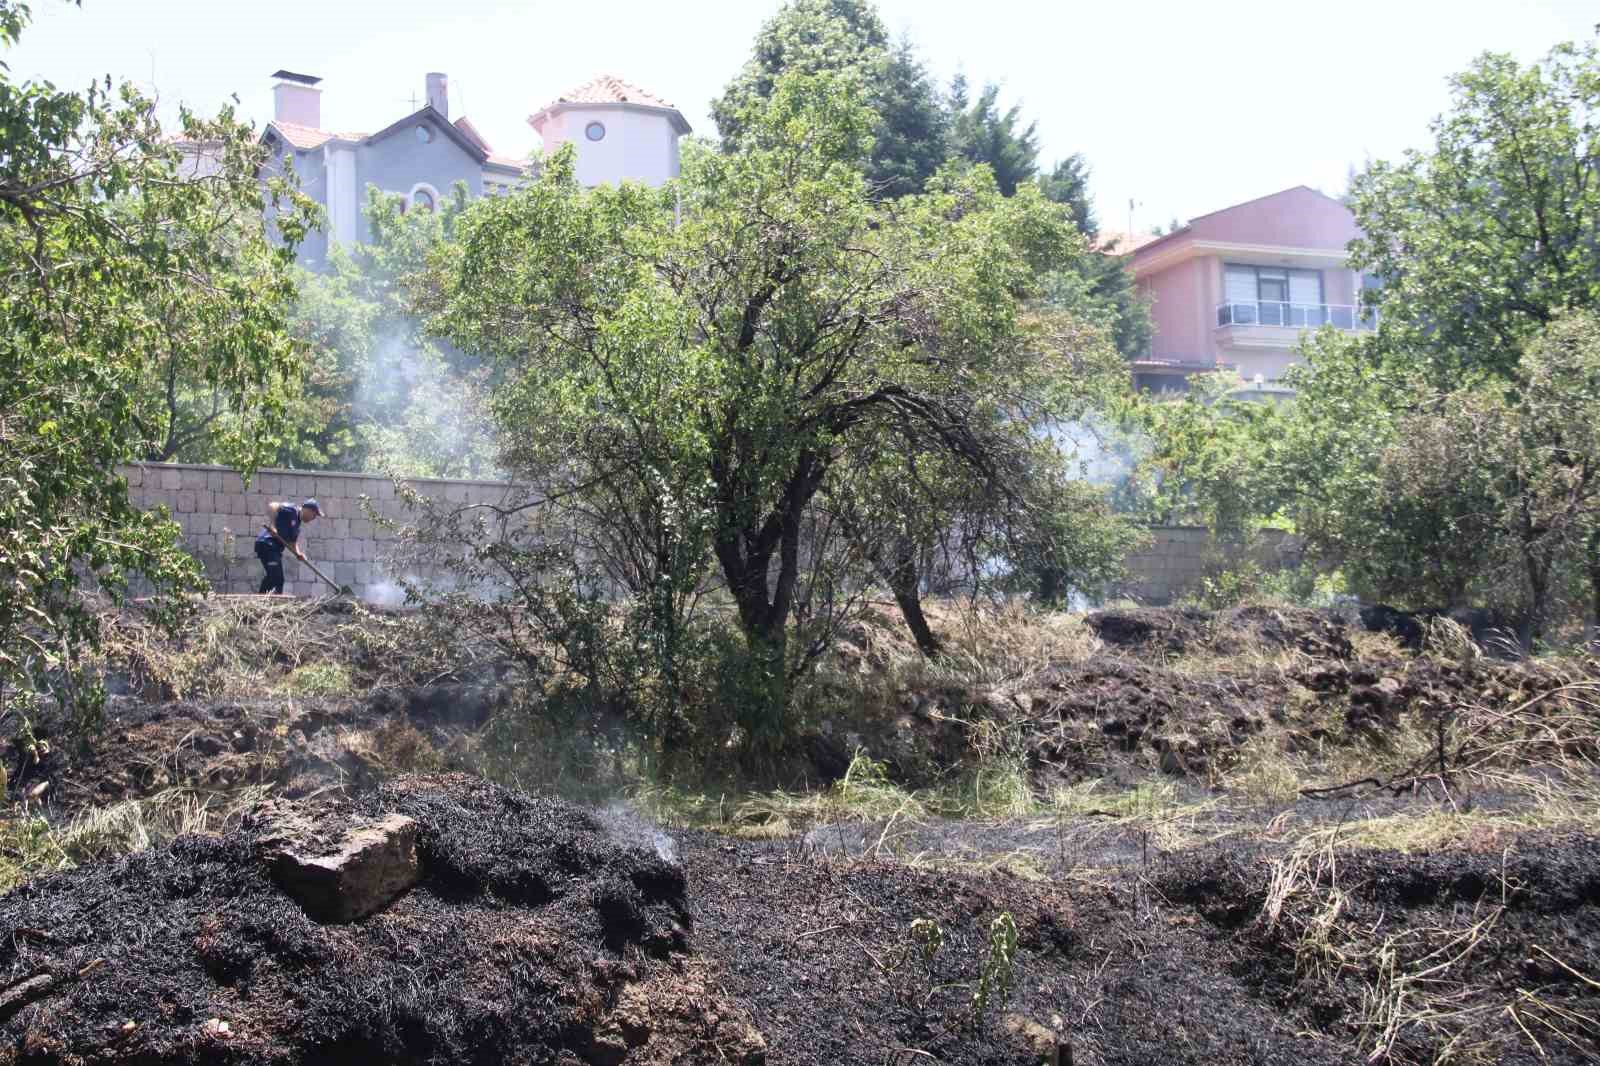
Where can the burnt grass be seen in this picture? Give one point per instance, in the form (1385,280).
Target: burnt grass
(538,934)
(541,932)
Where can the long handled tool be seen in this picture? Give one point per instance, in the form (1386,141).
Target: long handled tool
(343,590)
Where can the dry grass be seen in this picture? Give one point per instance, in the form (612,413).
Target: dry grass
(30,844)
(1417,984)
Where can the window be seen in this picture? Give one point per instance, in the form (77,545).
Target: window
(424,134)
(424,197)
(1271,296)
(595,131)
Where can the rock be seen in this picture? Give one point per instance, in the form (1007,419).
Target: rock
(25,992)
(346,877)
(209,745)
(741,1043)
(1042,1044)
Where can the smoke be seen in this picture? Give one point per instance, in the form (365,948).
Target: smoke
(385,594)
(423,411)
(628,827)
(1102,453)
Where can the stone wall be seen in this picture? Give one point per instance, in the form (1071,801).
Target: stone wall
(1174,559)
(220,520)
(221,517)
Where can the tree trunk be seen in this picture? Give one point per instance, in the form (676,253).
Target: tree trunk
(1594,583)
(1050,586)
(1538,595)
(906,584)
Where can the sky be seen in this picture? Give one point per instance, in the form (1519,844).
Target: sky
(1181,107)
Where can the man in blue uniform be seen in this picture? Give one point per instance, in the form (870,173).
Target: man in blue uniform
(282,531)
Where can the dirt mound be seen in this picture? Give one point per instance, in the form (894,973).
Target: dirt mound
(829,960)
(1183,629)
(533,936)
(1406,954)
(1081,721)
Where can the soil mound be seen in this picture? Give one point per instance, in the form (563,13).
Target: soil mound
(1471,950)
(533,935)
(1184,629)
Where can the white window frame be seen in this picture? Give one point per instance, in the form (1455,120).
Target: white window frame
(422,186)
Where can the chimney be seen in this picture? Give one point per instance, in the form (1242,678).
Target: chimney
(297,99)
(439,94)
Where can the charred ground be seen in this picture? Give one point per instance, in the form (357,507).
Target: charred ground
(1257,836)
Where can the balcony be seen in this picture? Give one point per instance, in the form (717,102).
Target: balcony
(1295,316)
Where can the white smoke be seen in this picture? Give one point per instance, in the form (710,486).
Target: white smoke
(629,827)
(385,594)
(1101,453)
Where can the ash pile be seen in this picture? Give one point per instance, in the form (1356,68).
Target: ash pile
(439,919)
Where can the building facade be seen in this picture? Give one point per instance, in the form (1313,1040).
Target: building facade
(1240,287)
(622,133)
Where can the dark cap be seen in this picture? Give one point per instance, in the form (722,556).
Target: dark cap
(313,504)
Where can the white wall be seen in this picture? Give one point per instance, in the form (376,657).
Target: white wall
(638,145)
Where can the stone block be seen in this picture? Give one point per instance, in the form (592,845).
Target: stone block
(229,481)
(194,480)
(269,484)
(184,504)
(360,528)
(213,480)
(344,573)
(344,877)
(384,490)
(171,479)
(134,474)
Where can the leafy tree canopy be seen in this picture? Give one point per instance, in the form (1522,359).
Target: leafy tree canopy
(707,375)
(848,37)
(981,133)
(123,259)
(1481,240)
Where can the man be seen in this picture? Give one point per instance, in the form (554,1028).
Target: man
(282,531)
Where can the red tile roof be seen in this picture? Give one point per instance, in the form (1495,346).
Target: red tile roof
(1115,242)
(609,89)
(308,137)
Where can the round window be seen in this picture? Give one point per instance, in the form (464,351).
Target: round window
(424,134)
(595,131)
(422,200)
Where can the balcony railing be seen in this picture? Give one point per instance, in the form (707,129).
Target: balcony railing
(1295,316)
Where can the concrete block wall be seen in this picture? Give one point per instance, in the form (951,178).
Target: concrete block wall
(220,518)
(1174,560)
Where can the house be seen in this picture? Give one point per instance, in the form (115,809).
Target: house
(1238,288)
(621,133)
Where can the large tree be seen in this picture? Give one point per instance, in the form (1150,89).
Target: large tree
(982,133)
(1481,240)
(848,37)
(716,365)
(112,241)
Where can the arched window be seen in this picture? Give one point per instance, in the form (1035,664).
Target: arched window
(424,197)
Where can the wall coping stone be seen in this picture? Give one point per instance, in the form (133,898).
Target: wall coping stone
(322,473)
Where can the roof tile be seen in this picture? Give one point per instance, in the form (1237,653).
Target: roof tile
(609,89)
(307,137)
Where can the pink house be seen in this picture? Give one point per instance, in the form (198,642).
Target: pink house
(1239,287)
